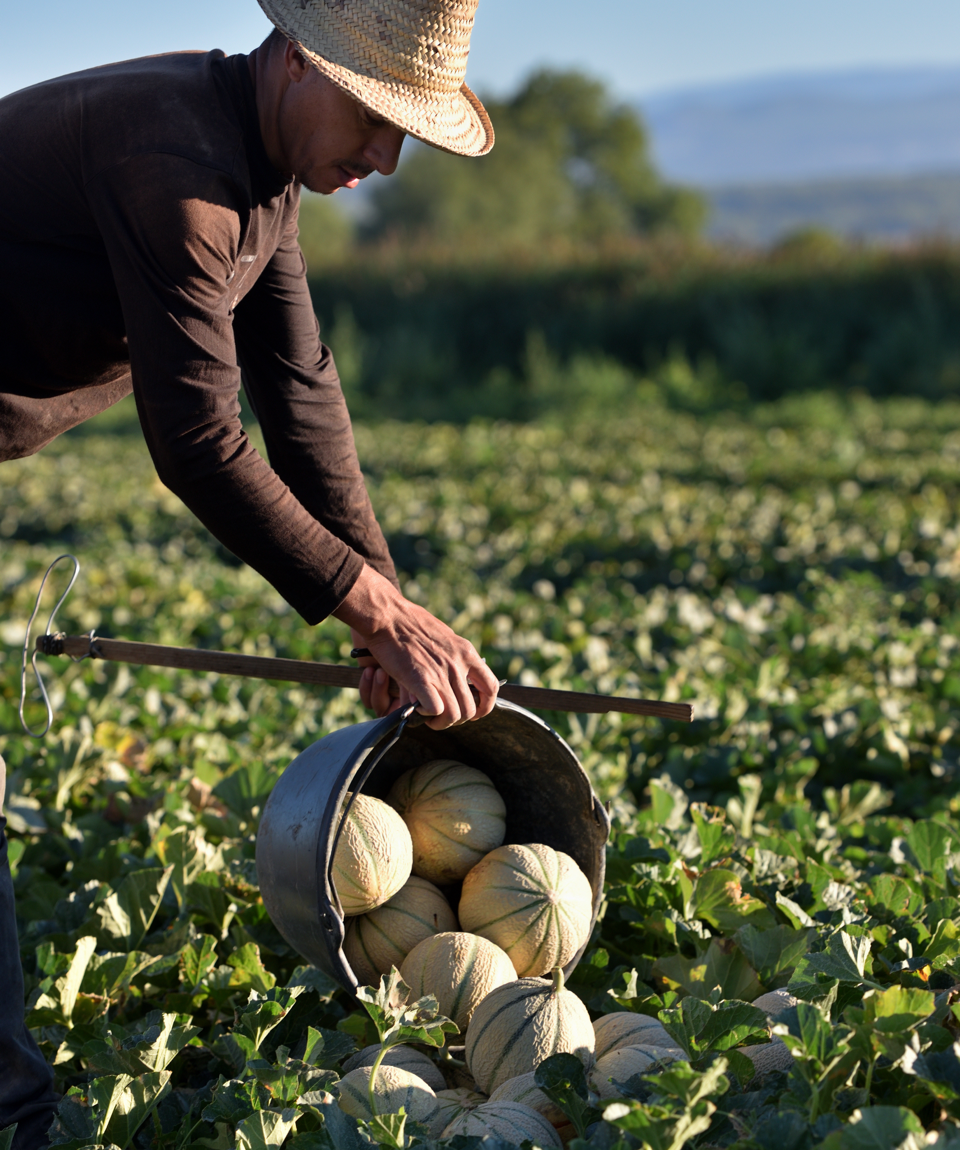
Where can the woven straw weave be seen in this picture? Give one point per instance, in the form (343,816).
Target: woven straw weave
(404,59)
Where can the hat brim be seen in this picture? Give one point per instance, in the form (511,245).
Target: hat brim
(456,122)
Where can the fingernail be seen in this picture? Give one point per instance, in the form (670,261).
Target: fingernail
(381,675)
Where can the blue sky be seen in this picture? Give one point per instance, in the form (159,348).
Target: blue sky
(638,46)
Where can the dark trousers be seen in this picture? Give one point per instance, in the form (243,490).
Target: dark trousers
(26,1081)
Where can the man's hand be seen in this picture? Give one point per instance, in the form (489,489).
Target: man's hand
(431,665)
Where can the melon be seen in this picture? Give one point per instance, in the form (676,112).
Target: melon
(378,941)
(769,1057)
(524,1089)
(403,1056)
(454,814)
(621,1065)
(458,1101)
(374,856)
(624,1028)
(510,1121)
(520,1024)
(393,1088)
(460,969)
(532,901)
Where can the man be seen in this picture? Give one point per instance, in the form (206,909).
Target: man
(148,242)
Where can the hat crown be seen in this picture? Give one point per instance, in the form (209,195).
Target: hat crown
(418,43)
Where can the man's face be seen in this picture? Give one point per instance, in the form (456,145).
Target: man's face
(324,137)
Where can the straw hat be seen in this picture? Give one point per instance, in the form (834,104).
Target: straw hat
(403,59)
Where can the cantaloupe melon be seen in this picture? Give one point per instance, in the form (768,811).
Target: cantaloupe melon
(624,1028)
(455,816)
(532,901)
(393,1088)
(374,855)
(769,1057)
(511,1121)
(460,969)
(622,1064)
(403,1056)
(518,1025)
(524,1089)
(458,1101)
(378,941)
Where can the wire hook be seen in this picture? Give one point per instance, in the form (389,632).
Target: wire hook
(49,631)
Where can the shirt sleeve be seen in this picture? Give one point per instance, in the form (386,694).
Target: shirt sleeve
(292,383)
(172,233)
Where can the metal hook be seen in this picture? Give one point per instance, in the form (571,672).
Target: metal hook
(49,631)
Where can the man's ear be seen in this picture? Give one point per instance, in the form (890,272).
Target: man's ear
(297,67)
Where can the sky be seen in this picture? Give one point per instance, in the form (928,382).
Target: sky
(637,46)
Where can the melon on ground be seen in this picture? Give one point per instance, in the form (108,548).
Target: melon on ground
(374,855)
(458,1101)
(403,1056)
(621,1065)
(532,901)
(511,1121)
(455,816)
(380,940)
(769,1057)
(520,1024)
(624,1028)
(524,1089)
(393,1088)
(459,969)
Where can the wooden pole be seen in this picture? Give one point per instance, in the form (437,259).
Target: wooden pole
(332,675)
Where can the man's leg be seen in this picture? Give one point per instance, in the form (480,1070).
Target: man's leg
(26,1081)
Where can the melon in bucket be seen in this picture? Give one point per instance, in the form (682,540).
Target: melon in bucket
(533,901)
(454,814)
(374,855)
(381,939)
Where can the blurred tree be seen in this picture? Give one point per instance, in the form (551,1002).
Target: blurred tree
(568,163)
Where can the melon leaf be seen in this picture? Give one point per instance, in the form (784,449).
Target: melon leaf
(562,1079)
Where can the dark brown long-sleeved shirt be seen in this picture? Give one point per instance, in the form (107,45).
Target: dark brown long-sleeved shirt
(146,242)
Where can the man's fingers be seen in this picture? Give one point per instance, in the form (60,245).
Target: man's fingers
(366,687)
(380,693)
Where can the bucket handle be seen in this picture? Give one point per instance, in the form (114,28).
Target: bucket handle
(409,712)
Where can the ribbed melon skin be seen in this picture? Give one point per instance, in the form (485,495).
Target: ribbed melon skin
(518,1025)
(403,1056)
(624,1028)
(621,1065)
(458,1101)
(374,856)
(460,969)
(511,1121)
(454,814)
(524,1089)
(378,941)
(394,1088)
(532,901)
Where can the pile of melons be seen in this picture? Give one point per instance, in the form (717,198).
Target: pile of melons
(523,912)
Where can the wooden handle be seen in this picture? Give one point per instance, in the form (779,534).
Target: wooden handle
(332,675)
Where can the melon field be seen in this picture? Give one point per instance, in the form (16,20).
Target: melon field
(790,569)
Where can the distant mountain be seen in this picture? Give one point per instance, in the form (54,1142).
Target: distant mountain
(885,208)
(876,122)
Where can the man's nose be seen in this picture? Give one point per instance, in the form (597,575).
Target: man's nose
(383,151)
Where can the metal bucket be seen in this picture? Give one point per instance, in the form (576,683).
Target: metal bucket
(546,791)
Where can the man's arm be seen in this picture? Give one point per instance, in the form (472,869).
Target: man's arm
(292,383)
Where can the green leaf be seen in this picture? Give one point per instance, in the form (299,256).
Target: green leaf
(190,855)
(719,900)
(69,984)
(246,789)
(878,1128)
(794,912)
(723,966)
(733,1024)
(6,1136)
(249,969)
(770,952)
(388,1129)
(715,834)
(154,1049)
(899,1008)
(265,1128)
(845,958)
(207,898)
(136,1103)
(127,913)
(561,1077)
(930,843)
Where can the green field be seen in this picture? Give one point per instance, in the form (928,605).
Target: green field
(791,570)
